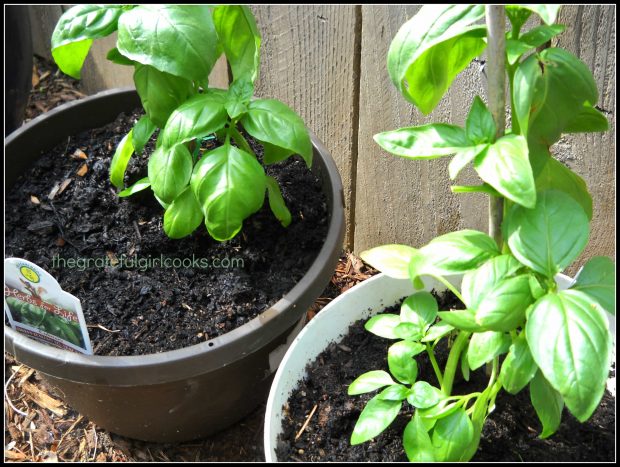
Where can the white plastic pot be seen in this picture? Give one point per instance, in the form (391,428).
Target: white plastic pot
(331,324)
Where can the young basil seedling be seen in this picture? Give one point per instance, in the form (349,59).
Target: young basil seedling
(172,49)
(556,341)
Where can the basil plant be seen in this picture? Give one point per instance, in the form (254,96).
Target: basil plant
(172,49)
(516,323)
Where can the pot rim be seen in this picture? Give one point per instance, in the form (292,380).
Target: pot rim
(199,358)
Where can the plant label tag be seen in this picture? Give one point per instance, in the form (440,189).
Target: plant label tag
(36,306)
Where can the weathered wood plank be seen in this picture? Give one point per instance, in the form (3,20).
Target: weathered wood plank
(308,56)
(400,200)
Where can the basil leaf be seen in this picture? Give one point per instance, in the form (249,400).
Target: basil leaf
(535,37)
(169,171)
(433,47)
(120,160)
(116,57)
(230,185)
(276,202)
(519,367)
(75,31)
(176,39)
(240,39)
(140,185)
(383,325)
(183,216)
(419,309)
(548,404)
(503,307)
(417,442)
(550,236)
(548,13)
(424,396)
(436,331)
(142,132)
(453,253)
(452,435)
(554,175)
(199,116)
(376,417)
(392,260)
(273,122)
(588,119)
(396,392)
(160,92)
(569,338)
(239,95)
(464,157)
(401,363)
(273,153)
(461,319)
(479,282)
(597,279)
(424,142)
(369,381)
(485,346)
(506,167)
(480,126)
(527,80)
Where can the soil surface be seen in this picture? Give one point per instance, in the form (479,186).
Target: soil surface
(510,432)
(65,208)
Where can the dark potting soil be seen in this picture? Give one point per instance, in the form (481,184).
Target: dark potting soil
(510,432)
(146,308)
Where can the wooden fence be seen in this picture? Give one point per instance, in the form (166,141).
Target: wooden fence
(328,63)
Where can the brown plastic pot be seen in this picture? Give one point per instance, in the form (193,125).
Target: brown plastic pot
(186,393)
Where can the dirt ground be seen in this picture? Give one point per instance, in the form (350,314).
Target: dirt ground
(39,427)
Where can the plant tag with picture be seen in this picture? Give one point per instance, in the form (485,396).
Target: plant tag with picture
(36,306)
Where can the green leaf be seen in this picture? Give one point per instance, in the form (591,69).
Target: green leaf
(142,132)
(480,126)
(503,307)
(424,142)
(444,408)
(519,367)
(436,331)
(419,309)
(239,95)
(369,381)
(75,31)
(240,39)
(452,435)
(176,39)
(273,122)
(479,282)
(527,80)
(396,392)
(506,167)
(116,57)
(424,396)
(140,185)
(597,279)
(120,160)
(183,216)
(536,288)
(433,47)
(550,236)
(462,319)
(517,16)
(400,360)
(548,13)
(548,404)
(417,442)
(408,331)
(276,202)
(383,325)
(569,338)
(273,153)
(392,260)
(376,417)
(485,346)
(587,120)
(453,253)
(199,116)
(160,92)
(230,185)
(464,157)
(554,175)
(535,37)
(169,171)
